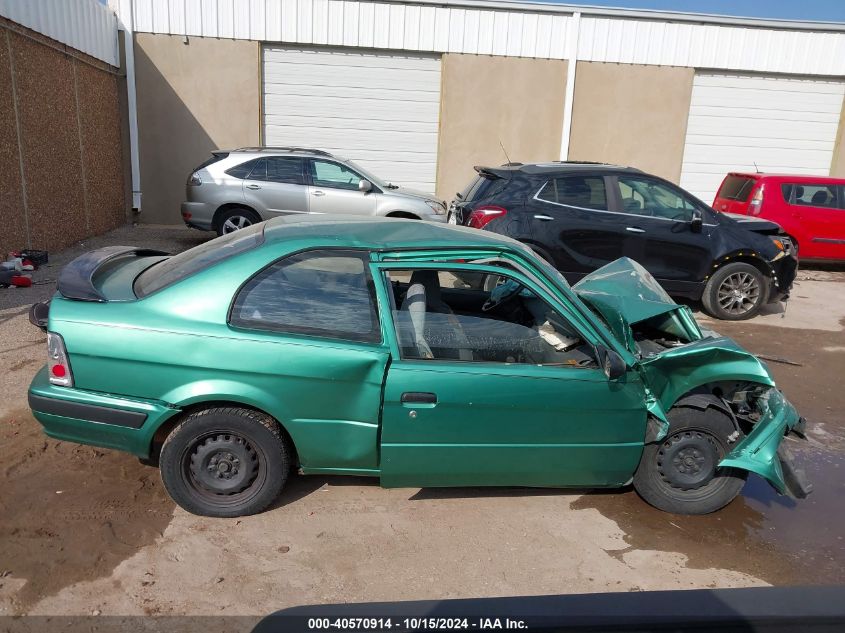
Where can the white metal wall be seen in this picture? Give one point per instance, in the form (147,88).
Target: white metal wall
(379,109)
(785,125)
(513,29)
(85,25)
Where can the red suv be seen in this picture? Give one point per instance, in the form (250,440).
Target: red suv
(811,209)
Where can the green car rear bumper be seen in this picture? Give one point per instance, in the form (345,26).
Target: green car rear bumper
(99,419)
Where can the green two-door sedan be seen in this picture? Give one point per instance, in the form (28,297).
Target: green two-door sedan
(354,347)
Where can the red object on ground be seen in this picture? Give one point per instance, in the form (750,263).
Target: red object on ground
(21,282)
(810,209)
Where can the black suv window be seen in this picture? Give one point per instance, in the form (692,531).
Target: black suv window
(643,196)
(324,292)
(482,187)
(586,192)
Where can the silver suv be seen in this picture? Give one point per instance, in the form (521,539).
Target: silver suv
(236,188)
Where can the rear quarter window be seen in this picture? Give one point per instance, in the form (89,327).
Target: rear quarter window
(326,293)
(173,269)
(482,187)
(736,188)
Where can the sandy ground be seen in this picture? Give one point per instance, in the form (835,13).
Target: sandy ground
(85,530)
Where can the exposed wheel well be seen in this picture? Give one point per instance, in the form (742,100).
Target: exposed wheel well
(168,425)
(215,222)
(402,214)
(758,263)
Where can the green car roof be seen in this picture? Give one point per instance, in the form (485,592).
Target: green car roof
(382,233)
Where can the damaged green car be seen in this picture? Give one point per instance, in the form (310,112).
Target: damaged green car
(354,347)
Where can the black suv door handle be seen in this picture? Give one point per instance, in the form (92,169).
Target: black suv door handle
(634,229)
(419,397)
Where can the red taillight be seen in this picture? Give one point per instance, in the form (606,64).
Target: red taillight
(756,204)
(186,216)
(60,373)
(482,216)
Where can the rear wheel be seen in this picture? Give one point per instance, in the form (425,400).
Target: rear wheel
(235,219)
(680,473)
(225,462)
(735,292)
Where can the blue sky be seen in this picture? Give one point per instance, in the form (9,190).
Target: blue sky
(830,10)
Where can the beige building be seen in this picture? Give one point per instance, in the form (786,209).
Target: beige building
(420,91)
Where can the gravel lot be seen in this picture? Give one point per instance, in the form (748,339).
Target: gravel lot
(86,530)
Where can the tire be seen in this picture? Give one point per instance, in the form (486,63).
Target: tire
(225,462)
(736,292)
(678,474)
(235,219)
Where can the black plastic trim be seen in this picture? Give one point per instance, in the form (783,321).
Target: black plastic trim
(76,279)
(89,412)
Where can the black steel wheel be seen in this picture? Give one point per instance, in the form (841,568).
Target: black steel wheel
(225,462)
(681,473)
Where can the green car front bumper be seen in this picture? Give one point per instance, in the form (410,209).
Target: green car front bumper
(99,419)
(763,451)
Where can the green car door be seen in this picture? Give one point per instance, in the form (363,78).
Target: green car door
(498,390)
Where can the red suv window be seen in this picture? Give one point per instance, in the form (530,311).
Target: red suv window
(813,195)
(736,188)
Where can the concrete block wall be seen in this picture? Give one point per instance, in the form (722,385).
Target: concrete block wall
(61,151)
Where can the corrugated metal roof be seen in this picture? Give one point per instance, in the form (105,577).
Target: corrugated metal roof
(520,29)
(85,25)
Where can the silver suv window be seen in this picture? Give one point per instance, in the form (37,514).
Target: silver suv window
(326,173)
(271,169)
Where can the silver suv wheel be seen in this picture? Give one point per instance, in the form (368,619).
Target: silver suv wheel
(234,223)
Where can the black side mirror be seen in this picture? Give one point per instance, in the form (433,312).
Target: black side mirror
(697,222)
(611,363)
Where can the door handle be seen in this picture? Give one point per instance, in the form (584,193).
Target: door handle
(544,218)
(318,193)
(253,187)
(419,397)
(634,229)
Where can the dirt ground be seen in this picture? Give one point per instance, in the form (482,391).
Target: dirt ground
(90,531)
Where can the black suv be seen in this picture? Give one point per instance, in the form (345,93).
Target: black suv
(580,216)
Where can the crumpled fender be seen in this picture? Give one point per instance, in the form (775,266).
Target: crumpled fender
(678,371)
(758,452)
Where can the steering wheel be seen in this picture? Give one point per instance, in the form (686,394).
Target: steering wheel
(500,294)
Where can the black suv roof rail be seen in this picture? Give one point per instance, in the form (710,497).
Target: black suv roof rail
(304,150)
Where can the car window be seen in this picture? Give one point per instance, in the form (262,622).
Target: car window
(285,170)
(440,315)
(643,196)
(325,293)
(810,195)
(328,174)
(736,188)
(178,267)
(244,169)
(586,192)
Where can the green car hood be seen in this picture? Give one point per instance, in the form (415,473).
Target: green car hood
(624,293)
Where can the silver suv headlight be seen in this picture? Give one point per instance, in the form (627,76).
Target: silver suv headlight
(438,207)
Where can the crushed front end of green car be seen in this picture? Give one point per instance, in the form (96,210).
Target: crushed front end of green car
(353,347)
(627,296)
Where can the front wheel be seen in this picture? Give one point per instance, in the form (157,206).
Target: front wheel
(735,292)
(680,474)
(225,462)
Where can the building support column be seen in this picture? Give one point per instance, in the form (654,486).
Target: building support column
(569,98)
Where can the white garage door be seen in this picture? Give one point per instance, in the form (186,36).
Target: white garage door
(735,121)
(379,109)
